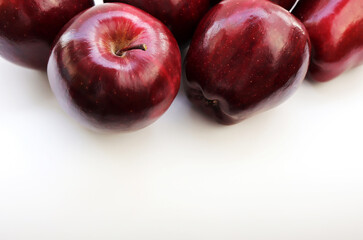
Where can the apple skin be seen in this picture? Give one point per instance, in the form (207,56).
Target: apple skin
(111,91)
(287,4)
(336,32)
(180,16)
(246,56)
(28,28)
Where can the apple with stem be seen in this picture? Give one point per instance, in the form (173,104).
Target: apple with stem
(181,16)
(336,32)
(115,68)
(246,56)
(28,28)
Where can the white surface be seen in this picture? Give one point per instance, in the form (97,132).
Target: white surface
(294,172)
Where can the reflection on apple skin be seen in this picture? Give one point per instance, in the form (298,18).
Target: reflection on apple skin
(180,16)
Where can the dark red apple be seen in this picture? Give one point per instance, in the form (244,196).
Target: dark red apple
(336,31)
(181,16)
(246,56)
(29,27)
(115,68)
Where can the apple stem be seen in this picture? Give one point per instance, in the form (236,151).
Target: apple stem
(121,52)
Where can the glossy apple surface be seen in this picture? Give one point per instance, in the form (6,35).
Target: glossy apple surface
(246,56)
(336,31)
(181,16)
(29,27)
(115,68)
(287,4)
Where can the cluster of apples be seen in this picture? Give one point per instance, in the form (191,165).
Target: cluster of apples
(117,66)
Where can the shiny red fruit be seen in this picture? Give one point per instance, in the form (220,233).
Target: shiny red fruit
(336,31)
(181,16)
(246,56)
(115,68)
(29,27)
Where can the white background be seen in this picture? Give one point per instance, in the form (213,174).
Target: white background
(294,172)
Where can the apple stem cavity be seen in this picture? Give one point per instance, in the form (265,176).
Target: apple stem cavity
(122,52)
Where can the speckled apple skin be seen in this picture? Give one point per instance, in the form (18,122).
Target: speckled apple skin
(246,56)
(180,16)
(336,32)
(106,92)
(29,27)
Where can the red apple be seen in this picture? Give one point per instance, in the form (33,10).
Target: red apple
(29,27)
(245,57)
(115,68)
(181,16)
(336,31)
